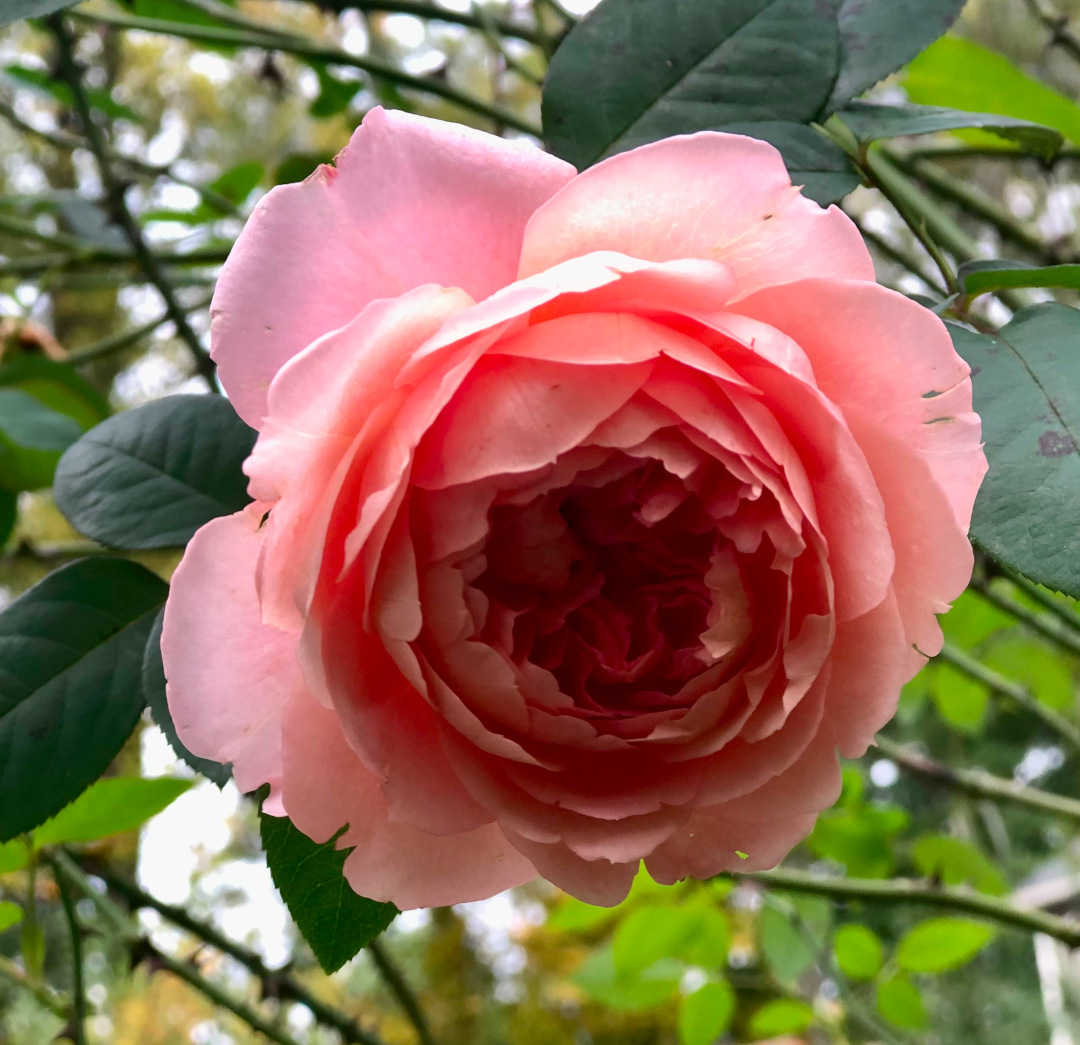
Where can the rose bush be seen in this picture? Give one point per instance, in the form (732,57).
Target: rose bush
(593,513)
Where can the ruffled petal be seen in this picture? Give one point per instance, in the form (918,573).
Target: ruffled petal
(720,197)
(409,201)
(229,675)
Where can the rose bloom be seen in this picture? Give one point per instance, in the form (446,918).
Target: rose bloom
(593,513)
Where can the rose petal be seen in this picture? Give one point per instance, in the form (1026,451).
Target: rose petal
(410,201)
(720,197)
(229,675)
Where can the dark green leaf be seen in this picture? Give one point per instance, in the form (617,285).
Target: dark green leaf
(706,1014)
(634,71)
(298,166)
(871,122)
(877,38)
(335,921)
(153,684)
(899,1001)
(17,10)
(859,952)
(71,653)
(57,386)
(817,164)
(239,182)
(334,95)
(150,477)
(32,437)
(111,806)
(988,277)
(9,513)
(783,1016)
(1027,389)
(962,75)
(941,944)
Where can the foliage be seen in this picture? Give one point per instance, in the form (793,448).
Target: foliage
(938,839)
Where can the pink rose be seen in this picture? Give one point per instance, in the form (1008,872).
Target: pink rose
(593,512)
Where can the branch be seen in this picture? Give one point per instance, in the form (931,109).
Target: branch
(1065,612)
(273,982)
(45,997)
(902,258)
(144,950)
(299,45)
(1057,23)
(1049,628)
(401,990)
(115,190)
(906,890)
(77,1023)
(126,338)
(39,264)
(980,784)
(1018,694)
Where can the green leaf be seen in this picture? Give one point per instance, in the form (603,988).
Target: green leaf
(860,839)
(972,620)
(17,10)
(153,684)
(899,1001)
(14,855)
(32,437)
(961,701)
(239,182)
(1027,389)
(575,916)
(990,276)
(956,862)
(1043,672)
(602,982)
(298,166)
(334,95)
(336,922)
(870,122)
(9,514)
(634,71)
(10,914)
(70,663)
(57,386)
(859,952)
(43,83)
(941,944)
(706,1014)
(782,1016)
(150,477)
(962,75)
(696,934)
(879,38)
(793,931)
(111,806)
(814,162)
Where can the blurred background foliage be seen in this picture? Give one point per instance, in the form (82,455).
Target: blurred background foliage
(199,129)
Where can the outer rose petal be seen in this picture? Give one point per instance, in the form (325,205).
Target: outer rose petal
(229,675)
(410,201)
(721,197)
(326,786)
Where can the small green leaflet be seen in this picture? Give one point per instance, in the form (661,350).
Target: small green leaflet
(706,1014)
(10,914)
(942,944)
(335,921)
(859,952)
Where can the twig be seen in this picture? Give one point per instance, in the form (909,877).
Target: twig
(401,990)
(1064,612)
(44,996)
(312,49)
(1018,694)
(118,342)
(144,950)
(980,784)
(77,1023)
(273,982)
(901,258)
(1057,23)
(907,890)
(491,32)
(115,192)
(1050,628)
